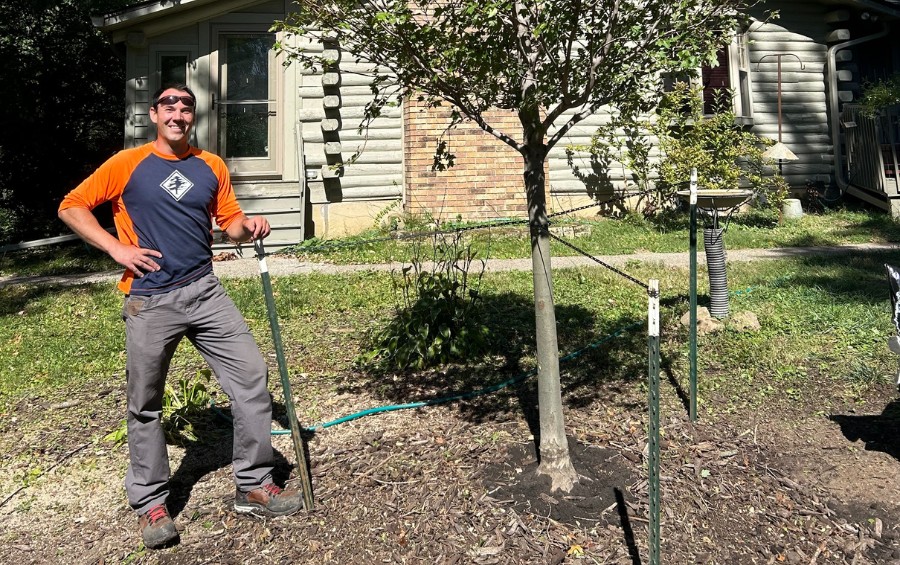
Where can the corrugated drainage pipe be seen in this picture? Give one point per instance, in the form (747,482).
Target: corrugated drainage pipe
(715,265)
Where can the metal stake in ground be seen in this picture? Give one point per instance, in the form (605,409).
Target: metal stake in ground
(299,449)
(692,353)
(653,401)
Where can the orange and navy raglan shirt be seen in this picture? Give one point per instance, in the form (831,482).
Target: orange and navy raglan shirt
(164,203)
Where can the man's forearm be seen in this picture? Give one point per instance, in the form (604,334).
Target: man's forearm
(83,222)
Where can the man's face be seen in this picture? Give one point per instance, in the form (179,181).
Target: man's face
(173,118)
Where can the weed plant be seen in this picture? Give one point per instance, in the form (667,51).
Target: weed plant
(435,320)
(185,405)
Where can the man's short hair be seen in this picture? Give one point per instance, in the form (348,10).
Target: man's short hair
(174,86)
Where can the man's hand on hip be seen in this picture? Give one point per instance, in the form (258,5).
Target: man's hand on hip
(136,259)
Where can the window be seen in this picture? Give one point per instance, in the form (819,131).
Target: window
(172,68)
(172,64)
(730,76)
(245,104)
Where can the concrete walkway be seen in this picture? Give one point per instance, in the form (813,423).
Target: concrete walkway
(282,266)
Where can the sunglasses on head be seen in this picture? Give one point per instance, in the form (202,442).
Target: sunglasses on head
(172,99)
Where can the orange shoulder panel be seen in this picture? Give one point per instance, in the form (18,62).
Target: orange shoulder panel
(225,208)
(107,184)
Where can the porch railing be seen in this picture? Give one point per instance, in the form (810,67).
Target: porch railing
(872,148)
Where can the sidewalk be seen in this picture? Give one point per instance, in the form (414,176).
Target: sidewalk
(282,266)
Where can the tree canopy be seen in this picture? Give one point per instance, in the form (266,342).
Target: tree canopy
(62,111)
(564,57)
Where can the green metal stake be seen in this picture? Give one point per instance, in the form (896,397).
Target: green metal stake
(653,439)
(299,448)
(693,297)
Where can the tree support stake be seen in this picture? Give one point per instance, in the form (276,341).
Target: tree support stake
(299,447)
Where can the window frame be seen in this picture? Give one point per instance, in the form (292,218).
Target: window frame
(739,78)
(247,168)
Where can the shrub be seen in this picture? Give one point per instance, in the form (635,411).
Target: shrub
(879,95)
(436,319)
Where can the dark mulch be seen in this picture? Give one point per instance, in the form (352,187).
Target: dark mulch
(435,486)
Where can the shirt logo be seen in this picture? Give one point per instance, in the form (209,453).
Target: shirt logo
(177,185)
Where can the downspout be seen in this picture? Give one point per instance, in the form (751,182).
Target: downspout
(833,101)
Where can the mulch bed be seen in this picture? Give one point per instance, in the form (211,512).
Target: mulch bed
(436,486)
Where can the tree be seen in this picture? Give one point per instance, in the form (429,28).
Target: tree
(62,111)
(553,62)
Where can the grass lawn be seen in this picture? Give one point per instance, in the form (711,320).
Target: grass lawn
(821,350)
(751,230)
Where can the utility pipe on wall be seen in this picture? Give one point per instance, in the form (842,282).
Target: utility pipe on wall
(833,103)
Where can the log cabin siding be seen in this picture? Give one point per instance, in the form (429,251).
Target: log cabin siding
(802,30)
(331,108)
(804,112)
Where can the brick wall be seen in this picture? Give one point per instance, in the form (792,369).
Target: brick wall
(486,180)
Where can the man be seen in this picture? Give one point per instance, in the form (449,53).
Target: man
(165,195)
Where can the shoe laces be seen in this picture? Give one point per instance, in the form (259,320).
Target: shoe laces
(156,514)
(272,489)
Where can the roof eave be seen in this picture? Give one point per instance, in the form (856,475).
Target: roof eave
(140,13)
(159,16)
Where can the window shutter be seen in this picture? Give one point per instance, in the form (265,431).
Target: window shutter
(716,82)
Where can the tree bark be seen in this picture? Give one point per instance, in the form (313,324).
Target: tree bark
(553,447)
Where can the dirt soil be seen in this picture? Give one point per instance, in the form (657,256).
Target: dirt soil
(788,484)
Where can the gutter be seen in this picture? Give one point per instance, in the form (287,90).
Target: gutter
(842,183)
(874,6)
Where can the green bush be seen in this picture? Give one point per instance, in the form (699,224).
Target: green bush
(436,321)
(183,406)
(661,152)
(725,155)
(879,95)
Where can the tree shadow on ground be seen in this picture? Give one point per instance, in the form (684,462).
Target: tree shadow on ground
(859,277)
(590,357)
(880,433)
(213,451)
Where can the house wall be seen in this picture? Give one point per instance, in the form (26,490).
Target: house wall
(575,179)
(336,180)
(801,32)
(352,175)
(486,180)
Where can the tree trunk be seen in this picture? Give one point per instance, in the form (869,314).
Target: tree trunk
(553,446)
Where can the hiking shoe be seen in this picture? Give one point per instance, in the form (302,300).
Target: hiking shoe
(157,527)
(268,500)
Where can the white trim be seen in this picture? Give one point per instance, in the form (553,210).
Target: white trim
(161,16)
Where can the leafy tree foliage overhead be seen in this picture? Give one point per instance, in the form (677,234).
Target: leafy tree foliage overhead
(62,111)
(555,55)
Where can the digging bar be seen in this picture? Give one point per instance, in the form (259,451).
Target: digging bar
(299,448)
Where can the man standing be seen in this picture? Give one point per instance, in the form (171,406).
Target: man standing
(165,195)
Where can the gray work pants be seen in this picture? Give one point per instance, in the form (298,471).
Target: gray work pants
(154,325)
